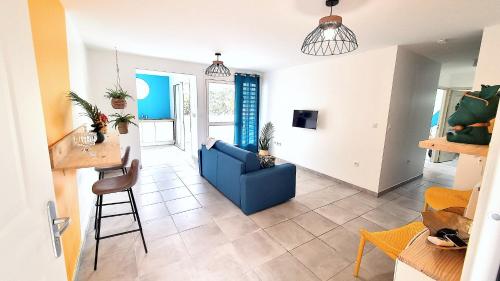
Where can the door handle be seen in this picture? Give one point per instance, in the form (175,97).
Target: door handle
(57,227)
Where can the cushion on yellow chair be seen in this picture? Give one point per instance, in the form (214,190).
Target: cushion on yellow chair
(394,241)
(440,198)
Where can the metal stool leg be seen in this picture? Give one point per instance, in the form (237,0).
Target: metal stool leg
(131,205)
(138,220)
(96,209)
(98,230)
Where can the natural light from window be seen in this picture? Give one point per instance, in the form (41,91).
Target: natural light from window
(221,110)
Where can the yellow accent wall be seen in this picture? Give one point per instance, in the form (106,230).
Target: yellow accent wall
(48,26)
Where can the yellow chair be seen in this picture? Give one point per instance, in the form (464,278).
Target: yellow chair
(439,198)
(392,242)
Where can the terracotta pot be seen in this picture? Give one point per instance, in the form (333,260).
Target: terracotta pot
(104,130)
(118,103)
(263,152)
(122,128)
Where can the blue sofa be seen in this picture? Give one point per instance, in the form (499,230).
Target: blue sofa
(237,174)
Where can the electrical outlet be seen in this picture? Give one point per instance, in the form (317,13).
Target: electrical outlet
(408,161)
(375,125)
(356,164)
(277,143)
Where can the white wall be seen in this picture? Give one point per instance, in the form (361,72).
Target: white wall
(483,254)
(352,94)
(462,77)
(77,57)
(412,101)
(102,75)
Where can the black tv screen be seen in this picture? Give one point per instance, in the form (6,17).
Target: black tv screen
(305,119)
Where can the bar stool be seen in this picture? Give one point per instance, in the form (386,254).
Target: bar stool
(122,166)
(112,185)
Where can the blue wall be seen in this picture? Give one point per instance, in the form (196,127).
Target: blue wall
(157,104)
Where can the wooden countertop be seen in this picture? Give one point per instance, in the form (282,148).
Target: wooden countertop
(442,265)
(65,155)
(443,145)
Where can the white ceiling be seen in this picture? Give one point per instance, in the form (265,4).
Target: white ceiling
(267,34)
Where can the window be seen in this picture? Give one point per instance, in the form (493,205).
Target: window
(221,110)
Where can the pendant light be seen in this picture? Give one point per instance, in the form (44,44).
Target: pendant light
(218,69)
(331,37)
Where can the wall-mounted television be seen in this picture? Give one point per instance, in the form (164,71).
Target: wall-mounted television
(305,119)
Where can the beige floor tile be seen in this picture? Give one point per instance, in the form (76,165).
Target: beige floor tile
(200,188)
(378,263)
(220,263)
(159,228)
(191,219)
(306,186)
(320,198)
(223,209)
(120,265)
(236,226)
(257,248)
(167,184)
(161,252)
(211,198)
(284,268)
(148,198)
(344,242)
(315,223)
(267,218)
(145,188)
(154,211)
(291,209)
(409,203)
(391,216)
(289,234)
(182,270)
(175,193)
(364,275)
(145,179)
(322,260)
(203,238)
(192,179)
(108,247)
(354,205)
(373,201)
(182,205)
(164,176)
(336,214)
(361,223)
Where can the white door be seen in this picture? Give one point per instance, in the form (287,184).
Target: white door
(179,115)
(450,102)
(26,180)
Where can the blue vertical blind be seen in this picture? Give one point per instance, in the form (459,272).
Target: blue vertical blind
(246,111)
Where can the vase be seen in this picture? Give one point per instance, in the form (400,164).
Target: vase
(118,103)
(97,129)
(122,128)
(263,152)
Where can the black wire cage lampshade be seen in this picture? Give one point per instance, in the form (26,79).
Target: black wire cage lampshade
(331,37)
(218,69)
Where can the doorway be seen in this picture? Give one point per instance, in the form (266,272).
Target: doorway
(444,107)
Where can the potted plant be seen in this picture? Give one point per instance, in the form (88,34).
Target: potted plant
(266,136)
(118,97)
(99,120)
(122,121)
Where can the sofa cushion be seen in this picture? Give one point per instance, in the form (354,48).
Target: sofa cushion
(229,171)
(249,159)
(208,164)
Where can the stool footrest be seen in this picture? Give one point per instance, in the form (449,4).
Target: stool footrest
(118,234)
(115,203)
(117,215)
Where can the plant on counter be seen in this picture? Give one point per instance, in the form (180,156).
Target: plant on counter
(99,120)
(118,97)
(121,122)
(266,136)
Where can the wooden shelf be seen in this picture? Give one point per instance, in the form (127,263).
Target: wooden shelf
(65,155)
(433,262)
(442,144)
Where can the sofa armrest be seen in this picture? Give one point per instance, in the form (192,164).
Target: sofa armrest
(267,187)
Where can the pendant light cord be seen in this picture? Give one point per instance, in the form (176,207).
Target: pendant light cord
(331,10)
(117,68)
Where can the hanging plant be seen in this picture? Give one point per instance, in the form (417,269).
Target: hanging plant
(118,97)
(121,122)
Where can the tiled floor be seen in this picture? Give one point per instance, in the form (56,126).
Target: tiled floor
(195,233)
